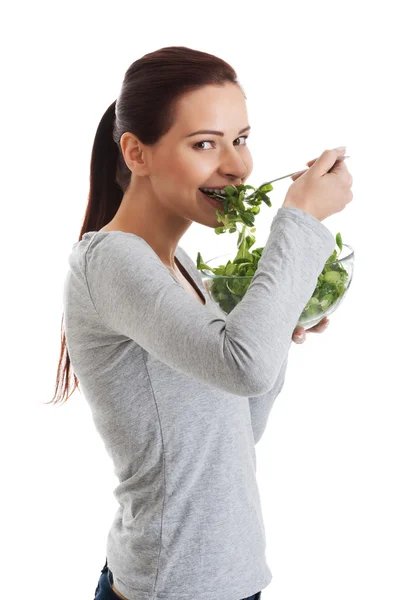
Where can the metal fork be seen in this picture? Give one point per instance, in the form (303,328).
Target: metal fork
(291,174)
(338,160)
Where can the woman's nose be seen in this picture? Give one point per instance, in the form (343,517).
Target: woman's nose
(234,166)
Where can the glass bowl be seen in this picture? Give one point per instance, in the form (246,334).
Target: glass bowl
(333,283)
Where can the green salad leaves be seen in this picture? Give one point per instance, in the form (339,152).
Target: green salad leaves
(236,196)
(233,279)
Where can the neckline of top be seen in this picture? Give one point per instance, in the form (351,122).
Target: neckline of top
(178,249)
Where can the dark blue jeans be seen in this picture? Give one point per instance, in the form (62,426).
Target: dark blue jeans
(105,592)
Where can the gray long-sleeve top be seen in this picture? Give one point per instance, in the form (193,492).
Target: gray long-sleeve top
(180,393)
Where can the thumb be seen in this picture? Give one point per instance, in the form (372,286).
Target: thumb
(326,161)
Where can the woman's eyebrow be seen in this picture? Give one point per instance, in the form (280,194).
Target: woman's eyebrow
(216,132)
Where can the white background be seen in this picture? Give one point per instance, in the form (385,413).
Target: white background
(316,75)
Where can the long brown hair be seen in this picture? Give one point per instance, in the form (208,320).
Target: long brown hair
(145,107)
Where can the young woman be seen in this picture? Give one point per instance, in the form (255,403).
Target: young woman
(180,392)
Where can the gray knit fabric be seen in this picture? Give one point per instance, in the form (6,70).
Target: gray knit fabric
(180,393)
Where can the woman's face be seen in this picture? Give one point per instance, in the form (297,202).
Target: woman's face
(182,161)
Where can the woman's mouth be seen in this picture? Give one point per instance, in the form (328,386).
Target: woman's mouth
(214,201)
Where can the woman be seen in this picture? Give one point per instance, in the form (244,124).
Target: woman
(180,392)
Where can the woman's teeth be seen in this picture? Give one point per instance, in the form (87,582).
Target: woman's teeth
(213,191)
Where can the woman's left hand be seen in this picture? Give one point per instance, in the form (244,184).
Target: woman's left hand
(318,328)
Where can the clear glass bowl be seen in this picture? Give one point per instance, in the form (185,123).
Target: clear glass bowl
(228,290)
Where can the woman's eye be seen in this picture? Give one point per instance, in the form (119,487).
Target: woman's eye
(211,142)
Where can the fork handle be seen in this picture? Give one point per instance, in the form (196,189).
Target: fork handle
(295,173)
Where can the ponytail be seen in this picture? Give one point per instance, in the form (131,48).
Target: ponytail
(105,196)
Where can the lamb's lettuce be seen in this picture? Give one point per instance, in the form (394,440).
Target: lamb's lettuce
(228,289)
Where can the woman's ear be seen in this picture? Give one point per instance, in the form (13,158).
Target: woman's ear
(133,151)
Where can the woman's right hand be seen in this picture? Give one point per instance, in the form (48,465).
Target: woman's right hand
(318,192)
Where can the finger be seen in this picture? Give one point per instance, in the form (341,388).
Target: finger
(312,161)
(299,174)
(298,330)
(319,327)
(299,335)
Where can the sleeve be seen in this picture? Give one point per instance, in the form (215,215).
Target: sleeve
(261,406)
(136,296)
